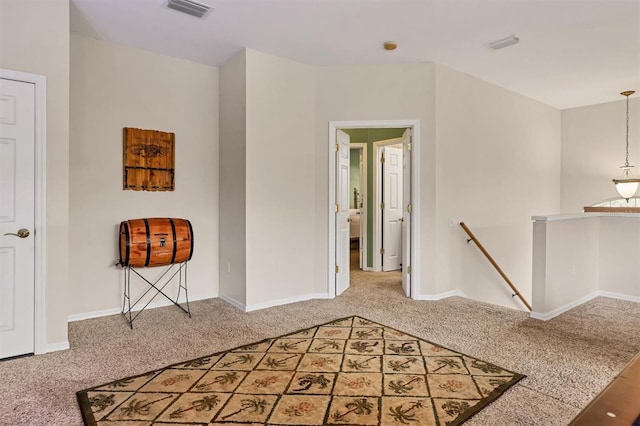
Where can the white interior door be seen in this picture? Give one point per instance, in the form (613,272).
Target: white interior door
(360,207)
(406,214)
(342,211)
(17,180)
(392,174)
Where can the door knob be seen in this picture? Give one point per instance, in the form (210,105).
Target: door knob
(22,233)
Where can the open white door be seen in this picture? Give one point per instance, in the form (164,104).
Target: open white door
(17,188)
(392,211)
(406,215)
(362,207)
(342,211)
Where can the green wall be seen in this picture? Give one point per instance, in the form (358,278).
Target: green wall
(369,136)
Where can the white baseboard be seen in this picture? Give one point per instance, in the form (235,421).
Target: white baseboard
(113,311)
(233,302)
(94,314)
(59,346)
(619,296)
(440,296)
(272,303)
(285,301)
(321,296)
(580,301)
(564,308)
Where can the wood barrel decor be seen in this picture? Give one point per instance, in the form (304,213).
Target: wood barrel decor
(155,241)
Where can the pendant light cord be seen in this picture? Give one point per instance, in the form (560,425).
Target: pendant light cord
(626,163)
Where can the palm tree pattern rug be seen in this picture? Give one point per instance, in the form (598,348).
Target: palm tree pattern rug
(350,371)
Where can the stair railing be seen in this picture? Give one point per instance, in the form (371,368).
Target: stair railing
(495,265)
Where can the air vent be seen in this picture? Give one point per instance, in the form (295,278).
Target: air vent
(504,42)
(190,7)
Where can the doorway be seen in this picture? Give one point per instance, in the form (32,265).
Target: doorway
(22,212)
(340,190)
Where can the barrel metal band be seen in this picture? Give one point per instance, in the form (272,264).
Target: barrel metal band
(146,225)
(125,261)
(175,241)
(191,236)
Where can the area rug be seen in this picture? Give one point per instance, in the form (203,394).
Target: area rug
(351,371)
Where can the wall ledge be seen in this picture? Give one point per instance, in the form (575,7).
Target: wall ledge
(572,216)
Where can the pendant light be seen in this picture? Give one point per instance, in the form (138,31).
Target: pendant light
(628,184)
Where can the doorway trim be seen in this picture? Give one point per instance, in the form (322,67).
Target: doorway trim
(40,232)
(414,125)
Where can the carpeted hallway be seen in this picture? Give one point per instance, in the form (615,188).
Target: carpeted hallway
(568,360)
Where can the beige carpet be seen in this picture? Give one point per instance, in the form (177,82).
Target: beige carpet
(349,371)
(567,360)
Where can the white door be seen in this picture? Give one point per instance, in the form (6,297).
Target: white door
(342,211)
(392,211)
(360,207)
(406,215)
(17,180)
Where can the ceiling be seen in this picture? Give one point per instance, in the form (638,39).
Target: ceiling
(571,52)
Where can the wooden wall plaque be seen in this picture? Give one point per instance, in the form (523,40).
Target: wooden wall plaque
(148,160)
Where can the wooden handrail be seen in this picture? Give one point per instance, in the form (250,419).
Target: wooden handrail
(493,262)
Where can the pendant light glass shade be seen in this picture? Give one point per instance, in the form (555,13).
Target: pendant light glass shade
(627,185)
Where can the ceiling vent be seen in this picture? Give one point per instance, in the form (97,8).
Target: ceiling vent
(504,42)
(190,7)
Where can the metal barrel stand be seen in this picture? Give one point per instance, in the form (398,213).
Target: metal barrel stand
(179,269)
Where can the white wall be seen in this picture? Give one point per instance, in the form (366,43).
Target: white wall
(267,141)
(593,149)
(114,87)
(619,256)
(376,92)
(498,163)
(569,250)
(280,178)
(233,133)
(34,38)
(578,257)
